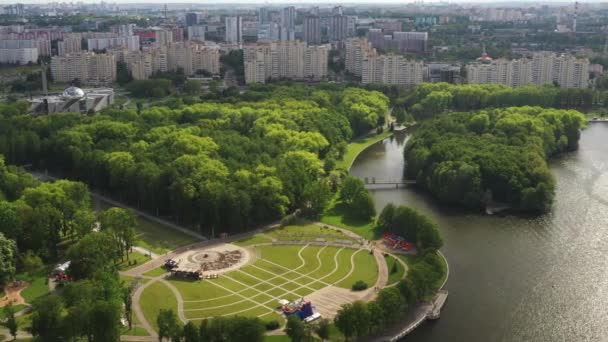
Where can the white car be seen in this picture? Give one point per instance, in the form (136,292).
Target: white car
(312,318)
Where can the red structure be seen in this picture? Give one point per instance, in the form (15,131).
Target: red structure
(392,240)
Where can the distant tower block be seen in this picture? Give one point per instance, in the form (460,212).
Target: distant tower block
(575,15)
(45,86)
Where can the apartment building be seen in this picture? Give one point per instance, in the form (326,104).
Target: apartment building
(284,59)
(356,51)
(392,69)
(234,29)
(18,55)
(88,67)
(43,46)
(128,42)
(544,67)
(69,44)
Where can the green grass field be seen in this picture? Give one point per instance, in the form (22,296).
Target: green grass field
(136,257)
(151,235)
(281,272)
(17,308)
(254,240)
(156,272)
(155,297)
(38,287)
(354,148)
(398,274)
(308,232)
(337,215)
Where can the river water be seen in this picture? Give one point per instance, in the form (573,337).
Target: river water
(518,278)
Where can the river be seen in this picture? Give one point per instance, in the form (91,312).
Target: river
(518,278)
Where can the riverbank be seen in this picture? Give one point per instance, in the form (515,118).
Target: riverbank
(359,145)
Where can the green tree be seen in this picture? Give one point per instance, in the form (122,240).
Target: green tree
(121,223)
(351,188)
(94,253)
(296,329)
(391,303)
(8,256)
(10,321)
(191,332)
(47,318)
(123,76)
(168,324)
(315,198)
(322,329)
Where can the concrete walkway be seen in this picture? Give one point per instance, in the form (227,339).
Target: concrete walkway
(146,252)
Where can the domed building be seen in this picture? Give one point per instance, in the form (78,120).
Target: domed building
(73,100)
(73,93)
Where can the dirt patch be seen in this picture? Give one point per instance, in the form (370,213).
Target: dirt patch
(12,293)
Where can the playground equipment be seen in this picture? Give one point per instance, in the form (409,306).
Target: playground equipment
(301,307)
(394,241)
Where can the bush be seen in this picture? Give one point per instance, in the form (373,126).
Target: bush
(272,325)
(289,220)
(359,285)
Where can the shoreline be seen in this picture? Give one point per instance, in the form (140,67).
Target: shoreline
(420,312)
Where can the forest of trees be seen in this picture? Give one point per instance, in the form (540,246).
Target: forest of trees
(430,99)
(222,166)
(470,158)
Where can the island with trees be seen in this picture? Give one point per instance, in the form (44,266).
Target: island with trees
(490,152)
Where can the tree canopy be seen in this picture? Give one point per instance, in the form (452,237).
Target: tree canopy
(471,158)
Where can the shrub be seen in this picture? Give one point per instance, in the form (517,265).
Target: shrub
(289,220)
(359,285)
(272,325)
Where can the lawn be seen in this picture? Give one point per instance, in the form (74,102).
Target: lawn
(156,272)
(396,271)
(307,232)
(135,259)
(152,235)
(366,269)
(38,287)
(254,240)
(17,308)
(283,272)
(155,297)
(354,148)
(337,215)
(160,239)
(277,338)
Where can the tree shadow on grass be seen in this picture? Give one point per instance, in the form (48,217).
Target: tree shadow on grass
(350,220)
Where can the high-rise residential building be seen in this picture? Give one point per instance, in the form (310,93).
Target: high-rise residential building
(284,59)
(410,41)
(356,51)
(196,32)
(126,30)
(192,57)
(288,18)
(392,69)
(88,67)
(234,29)
(264,15)
(163,37)
(337,10)
(128,42)
(69,45)
(399,41)
(191,19)
(544,67)
(18,55)
(338,28)
(312,29)
(42,45)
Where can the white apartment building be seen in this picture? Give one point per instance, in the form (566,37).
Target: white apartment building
(234,29)
(356,51)
(192,57)
(19,55)
(284,59)
(130,43)
(392,69)
(88,67)
(69,45)
(42,45)
(544,67)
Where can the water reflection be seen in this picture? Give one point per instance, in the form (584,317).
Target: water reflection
(518,278)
